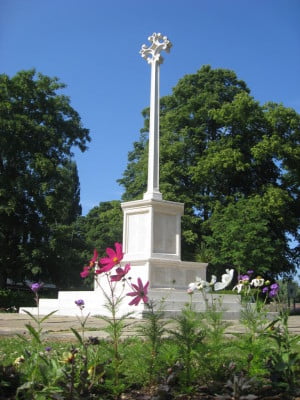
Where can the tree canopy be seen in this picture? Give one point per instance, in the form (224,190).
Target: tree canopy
(39,186)
(236,166)
(102,226)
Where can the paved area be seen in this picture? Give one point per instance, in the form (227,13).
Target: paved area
(59,327)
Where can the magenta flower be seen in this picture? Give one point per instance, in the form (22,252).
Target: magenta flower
(85,272)
(35,287)
(114,258)
(120,273)
(88,268)
(139,294)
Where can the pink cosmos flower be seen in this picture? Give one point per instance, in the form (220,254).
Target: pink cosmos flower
(87,268)
(120,273)
(139,294)
(114,258)
(85,272)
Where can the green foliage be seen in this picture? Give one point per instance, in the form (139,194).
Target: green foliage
(87,371)
(224,155)
(153,329)
(242,234)
(216,351)
(188,335)
(39,186)
(14,299)
(283,363)
(102,226)
(215,326)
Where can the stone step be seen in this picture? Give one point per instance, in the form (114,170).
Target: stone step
(171,300)
(175,300)
(226,315)
(182,295)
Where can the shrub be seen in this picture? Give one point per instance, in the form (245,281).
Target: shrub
(12,299)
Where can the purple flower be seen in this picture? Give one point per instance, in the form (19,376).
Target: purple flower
(265,289)
(80,303)
(35,287)
(250,272)
(244,278)
(274,290)
(48,348)
(274,286)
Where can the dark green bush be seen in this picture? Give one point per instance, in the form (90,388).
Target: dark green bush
(12,299)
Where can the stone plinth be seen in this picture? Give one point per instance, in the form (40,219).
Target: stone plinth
(152,229)
(152,246)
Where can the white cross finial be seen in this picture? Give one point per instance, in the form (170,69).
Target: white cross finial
(159,43)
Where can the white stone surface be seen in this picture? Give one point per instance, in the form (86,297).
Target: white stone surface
(153,56)
(152,228)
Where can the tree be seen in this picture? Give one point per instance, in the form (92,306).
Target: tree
(63,202)
(102,226)
(242,235)
(66,245)
(219,147)
(39,187)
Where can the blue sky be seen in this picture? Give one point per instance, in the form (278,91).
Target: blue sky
(93,47)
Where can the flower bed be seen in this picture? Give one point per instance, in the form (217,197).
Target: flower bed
(192,359)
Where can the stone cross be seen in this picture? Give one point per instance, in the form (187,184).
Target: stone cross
(153,56)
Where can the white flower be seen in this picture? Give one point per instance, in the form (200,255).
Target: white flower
(238,287)
(192,287)
(257,282)
(201,284)
(226,280)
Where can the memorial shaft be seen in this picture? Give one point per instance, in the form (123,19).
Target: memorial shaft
(153,56)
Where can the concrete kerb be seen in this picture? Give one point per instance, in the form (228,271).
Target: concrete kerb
(59,327)
(56,327)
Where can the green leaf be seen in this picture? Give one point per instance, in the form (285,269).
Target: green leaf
(78,336)
(34,333)
(31,316)
(47,316)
